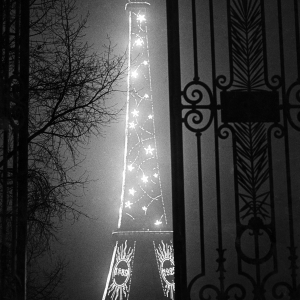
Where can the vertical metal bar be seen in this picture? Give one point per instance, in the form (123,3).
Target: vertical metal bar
(265,51)
(17,37)
(201,209)
(14,205)
(176,150)
(220,249)
(15,153)
(195,46)
(201,215)
(296,10)
(4,217)
(272,202)
(1,26)
(5,152)
(23,153)
(292,247)
(1,100)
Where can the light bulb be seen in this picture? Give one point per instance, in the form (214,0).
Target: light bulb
(130,167)
(134,74)
(132,125)
(141,18)
(145,178)
(128,204)
(139,42)
(132,191)
(135,113)
(149,150)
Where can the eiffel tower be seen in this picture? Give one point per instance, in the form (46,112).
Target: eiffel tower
(142,265)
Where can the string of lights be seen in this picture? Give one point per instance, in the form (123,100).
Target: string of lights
(142,205)
(142,214)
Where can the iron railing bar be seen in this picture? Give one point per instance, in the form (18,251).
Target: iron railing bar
(272,203)
(201,212)
(178,205)
(5,151)
(14,204)
(217,158)
(265,55)
(195,46)
(292,247)
(17,37)
(296,11)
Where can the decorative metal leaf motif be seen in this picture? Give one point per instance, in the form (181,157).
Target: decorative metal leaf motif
(252,169)
(247,44)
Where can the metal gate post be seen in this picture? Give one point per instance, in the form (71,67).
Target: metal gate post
(176,150)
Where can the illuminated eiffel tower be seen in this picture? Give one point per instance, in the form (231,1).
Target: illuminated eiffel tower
(142,265)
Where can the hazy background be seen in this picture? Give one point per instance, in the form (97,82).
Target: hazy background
(88,243)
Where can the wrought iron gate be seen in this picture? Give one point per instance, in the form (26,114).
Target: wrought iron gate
(235,122)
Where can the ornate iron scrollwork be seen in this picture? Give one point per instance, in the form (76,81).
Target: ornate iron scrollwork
(195,119)
(252,110)
(293,108)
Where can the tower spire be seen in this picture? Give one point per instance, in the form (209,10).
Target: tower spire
(143,262)
(142,205)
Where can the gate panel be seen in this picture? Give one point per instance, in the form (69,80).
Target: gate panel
(239,108)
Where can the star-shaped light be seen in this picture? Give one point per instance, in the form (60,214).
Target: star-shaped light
(145,63)
(139,42)
(135,113)
(128,204)
(132,125)
(134,74)
(132,191)
(146,96)
(149,150)
(150,117)
(157,222)
(130,167)
(155,175)
(145,178)
(141,18)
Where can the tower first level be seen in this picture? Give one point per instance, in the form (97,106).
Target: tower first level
(142,266)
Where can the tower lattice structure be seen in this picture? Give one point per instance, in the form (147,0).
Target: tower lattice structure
(142,265)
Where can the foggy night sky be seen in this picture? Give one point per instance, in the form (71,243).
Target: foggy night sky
(88,243)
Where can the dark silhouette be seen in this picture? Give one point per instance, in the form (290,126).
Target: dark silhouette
(70,86)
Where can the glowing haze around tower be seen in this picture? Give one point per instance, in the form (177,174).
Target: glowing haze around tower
(142,205)
(142,265)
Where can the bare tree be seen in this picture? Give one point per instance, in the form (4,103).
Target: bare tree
(46,283)
(70,90)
